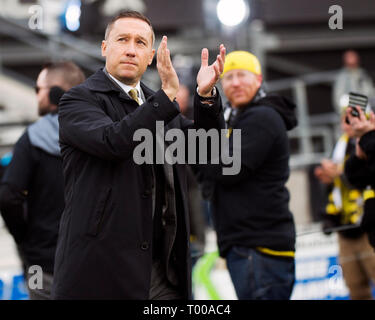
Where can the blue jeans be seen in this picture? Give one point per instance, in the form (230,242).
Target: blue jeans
(257,276)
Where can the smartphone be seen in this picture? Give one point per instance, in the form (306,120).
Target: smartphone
(357,99)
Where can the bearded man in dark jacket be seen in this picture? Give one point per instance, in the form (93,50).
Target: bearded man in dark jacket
(32,188)
(255,229)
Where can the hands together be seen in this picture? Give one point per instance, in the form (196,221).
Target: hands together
(207,77)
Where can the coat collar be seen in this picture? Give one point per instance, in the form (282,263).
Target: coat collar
(99,82)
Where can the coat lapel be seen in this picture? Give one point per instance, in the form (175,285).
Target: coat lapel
(100,82)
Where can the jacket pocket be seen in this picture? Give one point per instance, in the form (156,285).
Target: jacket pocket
(96,218)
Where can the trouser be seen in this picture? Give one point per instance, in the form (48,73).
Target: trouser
(357,259)
(259,276)
(161,288)
(43,293)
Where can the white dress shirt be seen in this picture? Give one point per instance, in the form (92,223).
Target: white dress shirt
(127,88)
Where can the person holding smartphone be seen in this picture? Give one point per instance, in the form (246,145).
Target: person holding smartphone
(360,167)
(343,213)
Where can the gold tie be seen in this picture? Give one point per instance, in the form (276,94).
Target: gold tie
(133,93)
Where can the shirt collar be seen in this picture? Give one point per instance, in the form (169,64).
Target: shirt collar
(125,87)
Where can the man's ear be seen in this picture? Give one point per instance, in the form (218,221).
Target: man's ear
(151,57)
(104,48)
(259,79)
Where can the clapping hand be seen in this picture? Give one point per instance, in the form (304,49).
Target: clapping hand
(168,75)
(208,75)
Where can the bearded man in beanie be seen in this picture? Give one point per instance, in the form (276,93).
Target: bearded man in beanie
(255,229)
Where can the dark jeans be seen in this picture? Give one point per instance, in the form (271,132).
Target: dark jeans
(257,276)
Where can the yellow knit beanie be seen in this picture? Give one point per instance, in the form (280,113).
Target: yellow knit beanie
(241,60)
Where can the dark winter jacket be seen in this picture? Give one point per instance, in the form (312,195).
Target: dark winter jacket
(32,193)
(105,242)
(361,173)
(251,208)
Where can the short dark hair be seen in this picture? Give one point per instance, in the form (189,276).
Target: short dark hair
(69,73)
(128,14)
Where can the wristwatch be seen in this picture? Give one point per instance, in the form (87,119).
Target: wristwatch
(210,98)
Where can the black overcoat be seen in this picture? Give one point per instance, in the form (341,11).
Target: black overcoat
(105,238)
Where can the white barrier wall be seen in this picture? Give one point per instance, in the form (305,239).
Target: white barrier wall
(318,273)
(12,286)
